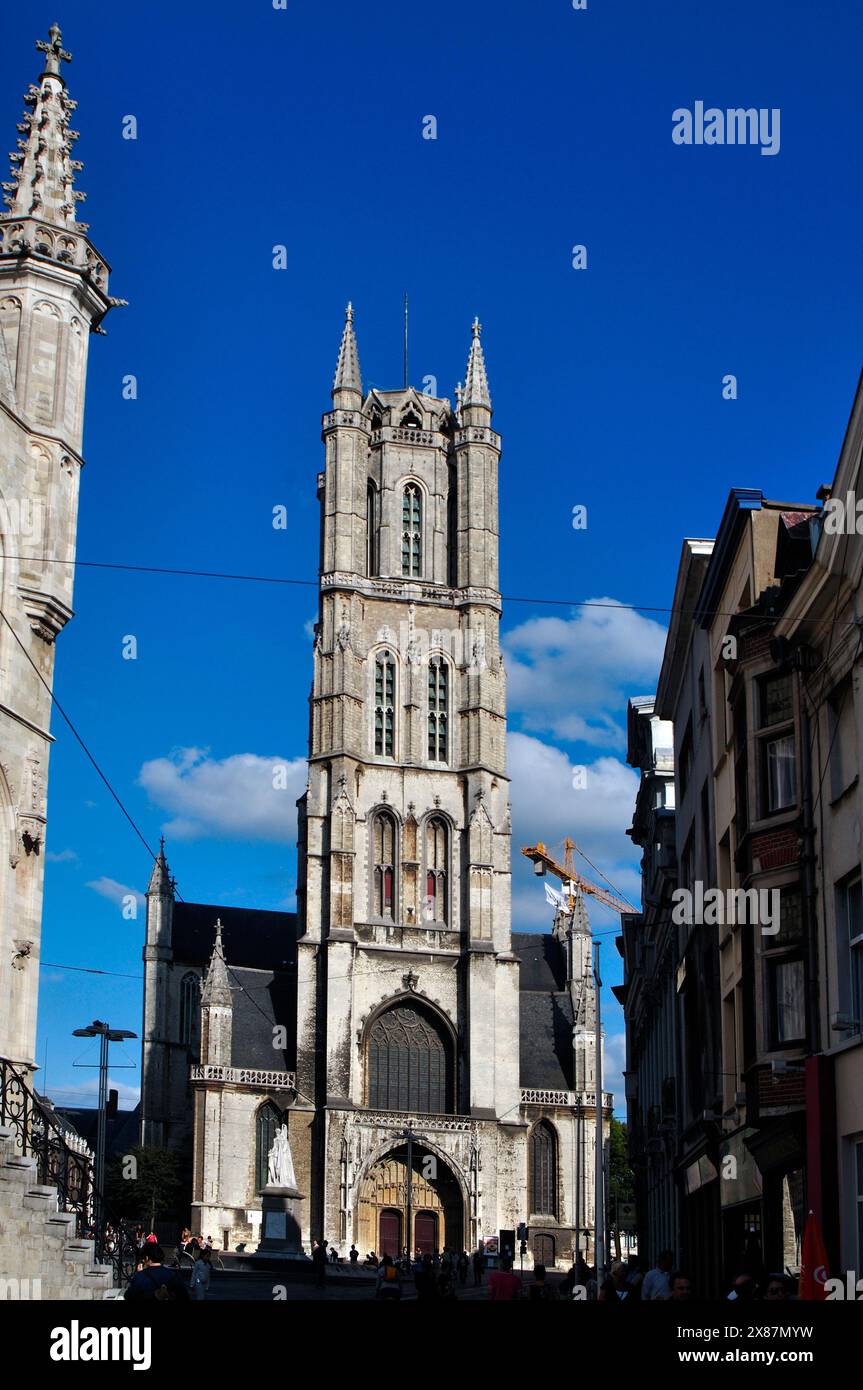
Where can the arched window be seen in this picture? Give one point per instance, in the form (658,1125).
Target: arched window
(412,529)
(543,1170)
(411,421)
(385,704)
(438,709)
(190,997)
(437,855)
(371,529)
(409,1060)
(384,841)
(267,1121)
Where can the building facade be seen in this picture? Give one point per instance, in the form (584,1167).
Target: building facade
(412,1021)
(53,295)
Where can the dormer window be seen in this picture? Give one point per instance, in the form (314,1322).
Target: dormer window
(411,421)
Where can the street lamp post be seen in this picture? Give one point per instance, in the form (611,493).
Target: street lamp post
(106,1034)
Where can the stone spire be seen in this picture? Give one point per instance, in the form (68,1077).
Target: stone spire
(43,171)
(348,376)
(217,990)
(476,383)
(161,884)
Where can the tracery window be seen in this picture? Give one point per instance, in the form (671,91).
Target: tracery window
(267,1121)
(189,1001)
(385,700)
(437,855)
(409,1063)
(438,712)
(543,1170)
(384,841)
(412,519)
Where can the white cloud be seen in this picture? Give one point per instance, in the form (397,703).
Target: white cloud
(116,892)
(86,1093)
(546,806)
(63,856)
(573,676)
(244,796)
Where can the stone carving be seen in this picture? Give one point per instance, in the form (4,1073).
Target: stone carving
(280,1164)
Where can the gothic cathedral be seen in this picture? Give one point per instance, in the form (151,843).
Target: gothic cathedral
(395,1020)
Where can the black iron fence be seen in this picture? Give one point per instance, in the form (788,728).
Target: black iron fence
(64,1161)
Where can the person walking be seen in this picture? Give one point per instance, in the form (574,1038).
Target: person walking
(503,1285)
(389,1281)
(319,1262)
(354,1257)
(478,1266)
(463,1264)
(656,1284)
(541,1289)
(154,1281)
(199,1284)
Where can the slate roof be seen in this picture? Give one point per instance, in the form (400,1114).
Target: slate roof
(545,1012)
(122,1133)
(261,1000)
(259,940)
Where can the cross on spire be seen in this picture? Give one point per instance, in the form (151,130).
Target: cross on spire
(55,53)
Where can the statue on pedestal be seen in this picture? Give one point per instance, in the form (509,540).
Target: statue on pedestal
(280,1164)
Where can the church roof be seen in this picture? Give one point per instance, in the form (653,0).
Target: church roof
(543,966)
(250,937)
(261,1000)
(545,1012)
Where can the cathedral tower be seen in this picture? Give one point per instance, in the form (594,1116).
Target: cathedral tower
(53,294)
(407,984)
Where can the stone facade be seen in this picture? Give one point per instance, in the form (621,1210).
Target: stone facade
(53,294)
(413,1032)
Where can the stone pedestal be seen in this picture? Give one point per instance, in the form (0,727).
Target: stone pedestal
(280,1226)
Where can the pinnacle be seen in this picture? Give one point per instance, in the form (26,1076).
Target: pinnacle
(217,988)
(43,173)
(348,377)
(476,382)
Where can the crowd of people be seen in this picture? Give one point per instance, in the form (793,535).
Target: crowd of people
(154,1279)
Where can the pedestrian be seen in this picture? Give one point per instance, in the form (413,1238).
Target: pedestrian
(425,1278)
(540,1288)
(389,1283)
(503,1285)
(334,1255)
(681,1287)
(657,1283)
(744,1288)
(463,1264)
(319,1261)
(354,1256)
(199,1284)
(478,1266)
(154,1281)
(778,1289)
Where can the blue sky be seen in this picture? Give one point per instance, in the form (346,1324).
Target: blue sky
(303,127)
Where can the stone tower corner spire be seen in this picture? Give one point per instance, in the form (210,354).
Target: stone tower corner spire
(217,990)
(348,377)
(161,884)
(43,171)
(476,393)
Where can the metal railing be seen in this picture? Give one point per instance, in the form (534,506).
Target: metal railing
(65,1161)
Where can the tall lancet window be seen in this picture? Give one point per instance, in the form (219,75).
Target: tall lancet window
(384,840)
(412,528)
(385,704)
(543,1170)
(267,1121)
(371,530)
(438,709)
(437,856)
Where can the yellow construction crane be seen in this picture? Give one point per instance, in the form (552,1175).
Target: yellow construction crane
(543,863)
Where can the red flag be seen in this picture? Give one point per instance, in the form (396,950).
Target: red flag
(813,1268)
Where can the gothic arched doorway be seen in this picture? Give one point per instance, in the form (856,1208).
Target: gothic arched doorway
(436,1203)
